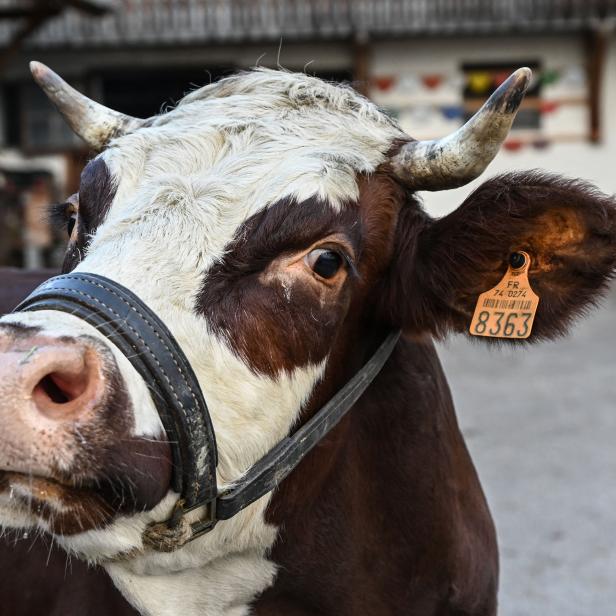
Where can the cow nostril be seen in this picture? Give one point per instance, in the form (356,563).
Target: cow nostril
(59,388)
(49,386)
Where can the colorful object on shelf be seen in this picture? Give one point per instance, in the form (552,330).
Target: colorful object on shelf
(385,82)
(452,112)
(548,106)
(432,81)
(549,77)
(479,82)
(541,143)
(513,145)
(500,77)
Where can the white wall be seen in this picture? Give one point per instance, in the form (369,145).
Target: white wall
(596,163)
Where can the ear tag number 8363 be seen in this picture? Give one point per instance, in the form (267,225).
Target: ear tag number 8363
(507,310)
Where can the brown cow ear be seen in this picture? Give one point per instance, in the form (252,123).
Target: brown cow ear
(566,226)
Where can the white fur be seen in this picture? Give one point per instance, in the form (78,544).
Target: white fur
(226,586)
(184,186)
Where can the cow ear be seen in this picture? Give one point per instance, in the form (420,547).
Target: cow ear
(566,226)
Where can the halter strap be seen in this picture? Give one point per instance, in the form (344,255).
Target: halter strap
(149,346)
(145,341)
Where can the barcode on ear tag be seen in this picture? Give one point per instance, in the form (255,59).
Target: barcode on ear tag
(507,310)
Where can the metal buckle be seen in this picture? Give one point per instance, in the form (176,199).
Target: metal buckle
(206,523)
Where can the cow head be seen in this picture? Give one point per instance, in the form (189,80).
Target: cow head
(271,221)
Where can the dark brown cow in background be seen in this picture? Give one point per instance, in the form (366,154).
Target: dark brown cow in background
(271,222)
(56,586)
(15,284)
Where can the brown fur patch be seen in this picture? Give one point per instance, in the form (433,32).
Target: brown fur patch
(386,515)
(40,579)
(270,323)
(275,322)
(561,231)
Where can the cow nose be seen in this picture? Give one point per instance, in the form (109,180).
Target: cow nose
(61,380)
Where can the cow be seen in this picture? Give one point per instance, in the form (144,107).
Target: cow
(15,284)
(271,221)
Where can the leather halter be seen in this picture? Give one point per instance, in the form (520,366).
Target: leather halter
(148,345)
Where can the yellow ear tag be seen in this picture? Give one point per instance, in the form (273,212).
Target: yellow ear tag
(507,310)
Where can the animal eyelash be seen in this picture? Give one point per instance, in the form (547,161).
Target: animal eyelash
(350,265)
(58,214)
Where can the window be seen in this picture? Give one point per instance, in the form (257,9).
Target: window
(42,128)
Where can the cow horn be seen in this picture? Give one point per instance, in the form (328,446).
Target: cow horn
(93,122)
(462,156)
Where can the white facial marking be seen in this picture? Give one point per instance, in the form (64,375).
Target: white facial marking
(185,185)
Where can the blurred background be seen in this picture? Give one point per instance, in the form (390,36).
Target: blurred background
(540,423)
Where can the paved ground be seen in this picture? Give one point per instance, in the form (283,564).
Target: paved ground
(541,426)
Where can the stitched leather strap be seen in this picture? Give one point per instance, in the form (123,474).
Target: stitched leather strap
(149,346)
(147,343)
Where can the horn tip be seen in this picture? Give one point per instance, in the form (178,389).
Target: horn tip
(523,76)
(508,97)
(36,68)
(46,79)
(40,72)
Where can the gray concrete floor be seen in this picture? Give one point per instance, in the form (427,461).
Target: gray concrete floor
(541,426)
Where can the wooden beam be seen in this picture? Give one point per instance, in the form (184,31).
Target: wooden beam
(37,14)
(92,7)
(15,12)
(596,48)
(32,24)
(361,64)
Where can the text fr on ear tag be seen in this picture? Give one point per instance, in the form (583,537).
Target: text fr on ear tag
(507,310)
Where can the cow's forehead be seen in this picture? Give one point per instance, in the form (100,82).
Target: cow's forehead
(268,133)
(186,182)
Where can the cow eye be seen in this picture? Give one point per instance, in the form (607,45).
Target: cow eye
(324,262)
(70,225)
(64,215)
